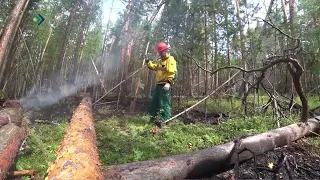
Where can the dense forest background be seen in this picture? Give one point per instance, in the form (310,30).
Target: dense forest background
(71,49)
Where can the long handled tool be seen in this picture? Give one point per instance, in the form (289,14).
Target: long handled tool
(133,102)
(118,85)
(213,92)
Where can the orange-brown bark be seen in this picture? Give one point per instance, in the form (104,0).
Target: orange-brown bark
(77,157)
(10,141)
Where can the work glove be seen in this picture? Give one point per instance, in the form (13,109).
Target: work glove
(166,86)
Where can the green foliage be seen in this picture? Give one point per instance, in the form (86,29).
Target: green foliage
(93,45)
(313,101)
(130,139)
(232,104)
(42,144)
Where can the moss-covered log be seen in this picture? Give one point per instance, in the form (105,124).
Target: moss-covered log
(77,156)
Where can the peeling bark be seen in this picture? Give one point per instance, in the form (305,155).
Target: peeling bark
(210,161)
(77,157)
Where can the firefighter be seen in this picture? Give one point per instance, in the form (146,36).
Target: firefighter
(166,74)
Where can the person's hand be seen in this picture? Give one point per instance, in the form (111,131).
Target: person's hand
(166,86)
(146,58)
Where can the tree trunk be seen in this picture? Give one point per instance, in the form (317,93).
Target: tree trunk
(9,32)
(206,62)
(226,21)
(216,76)
(12,135)
(85,25)
(243,56)
(77,157)
(11,139)
(65,39)
(215,160)
(283,3)
(266,18)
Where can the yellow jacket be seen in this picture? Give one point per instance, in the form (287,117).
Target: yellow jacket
(166,70)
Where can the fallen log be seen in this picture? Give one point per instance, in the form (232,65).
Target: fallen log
(10,115)
(210,161)
(11,137)
(77,156)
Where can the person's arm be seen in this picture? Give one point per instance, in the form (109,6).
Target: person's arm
(171,69)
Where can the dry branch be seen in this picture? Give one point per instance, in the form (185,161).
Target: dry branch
(77,157)
(207,162)
(186,110)
(119,84)
(30,172)
(296,74)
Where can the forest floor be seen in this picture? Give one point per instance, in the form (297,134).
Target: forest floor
(125,137)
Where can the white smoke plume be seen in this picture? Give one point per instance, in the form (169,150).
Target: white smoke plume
(51,96)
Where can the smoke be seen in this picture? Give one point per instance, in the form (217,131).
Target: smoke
(51,96)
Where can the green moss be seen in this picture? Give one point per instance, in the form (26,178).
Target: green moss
(313,101)
(130,139)
(42,144)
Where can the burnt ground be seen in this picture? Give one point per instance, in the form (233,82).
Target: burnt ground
(107,108)
(63,109)
(195,116)
(297,163)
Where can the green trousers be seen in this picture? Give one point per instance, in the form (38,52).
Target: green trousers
(161,103)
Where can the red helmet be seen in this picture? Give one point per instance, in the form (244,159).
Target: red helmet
(162,46)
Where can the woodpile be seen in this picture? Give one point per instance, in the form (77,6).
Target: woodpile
(12,133)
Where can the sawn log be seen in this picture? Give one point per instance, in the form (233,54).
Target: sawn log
(77,156)
(11,137)
(210,161)
(10,115)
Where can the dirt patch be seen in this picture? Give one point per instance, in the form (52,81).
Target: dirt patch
(297,163)
(195,116)
(108,108)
